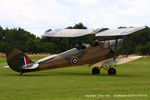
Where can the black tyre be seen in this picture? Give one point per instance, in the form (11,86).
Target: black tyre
(112,71)
(95,71)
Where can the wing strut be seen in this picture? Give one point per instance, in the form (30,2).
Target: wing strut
(126,42)
(115,52)
(60,43)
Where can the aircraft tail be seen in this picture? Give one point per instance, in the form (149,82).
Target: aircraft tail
(20,62)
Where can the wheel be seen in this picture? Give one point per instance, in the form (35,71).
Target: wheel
(112,71)
(95,71)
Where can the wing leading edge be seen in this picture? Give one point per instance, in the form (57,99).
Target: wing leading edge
(97,32)
(119,32)
(67,33)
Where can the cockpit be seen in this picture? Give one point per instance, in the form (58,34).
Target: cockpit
(82,46)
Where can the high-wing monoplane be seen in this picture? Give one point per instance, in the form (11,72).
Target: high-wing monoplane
(79,55)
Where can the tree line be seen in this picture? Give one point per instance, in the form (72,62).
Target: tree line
(138,43)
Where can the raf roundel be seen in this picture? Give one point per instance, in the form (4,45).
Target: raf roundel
(75,60)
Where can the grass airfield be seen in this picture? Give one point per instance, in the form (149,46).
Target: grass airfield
(132,82)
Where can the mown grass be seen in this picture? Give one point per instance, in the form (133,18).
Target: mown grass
(77,83)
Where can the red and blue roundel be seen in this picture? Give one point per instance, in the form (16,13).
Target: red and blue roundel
(75,60)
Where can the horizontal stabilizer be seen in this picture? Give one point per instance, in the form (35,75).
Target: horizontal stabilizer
(32,66)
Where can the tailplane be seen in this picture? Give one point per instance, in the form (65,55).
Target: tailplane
(20,62)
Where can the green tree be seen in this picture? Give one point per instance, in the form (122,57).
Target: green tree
(77,26)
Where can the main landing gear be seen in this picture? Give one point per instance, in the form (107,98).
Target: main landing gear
(95,71)
(111,71)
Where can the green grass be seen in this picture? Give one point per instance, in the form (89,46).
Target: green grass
(76,83)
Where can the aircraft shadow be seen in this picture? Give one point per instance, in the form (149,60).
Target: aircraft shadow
(72,74)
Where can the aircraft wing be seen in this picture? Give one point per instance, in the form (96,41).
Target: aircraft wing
(119,32)
(118,61)
(82,32)
(67,33)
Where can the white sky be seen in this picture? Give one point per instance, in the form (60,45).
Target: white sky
(36,16)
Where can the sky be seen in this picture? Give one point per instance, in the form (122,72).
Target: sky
(37,16)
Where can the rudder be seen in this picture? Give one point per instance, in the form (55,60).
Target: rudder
(18,61)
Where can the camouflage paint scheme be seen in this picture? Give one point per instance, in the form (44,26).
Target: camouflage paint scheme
(72,57)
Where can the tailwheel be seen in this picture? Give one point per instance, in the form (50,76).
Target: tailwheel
(111,71)
(95,71)
(21,73)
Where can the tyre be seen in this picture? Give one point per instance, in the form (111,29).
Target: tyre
(112,71)
(95,71)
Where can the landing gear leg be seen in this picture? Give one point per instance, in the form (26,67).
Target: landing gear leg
(95,71)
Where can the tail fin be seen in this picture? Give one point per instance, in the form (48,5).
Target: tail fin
(18,61)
